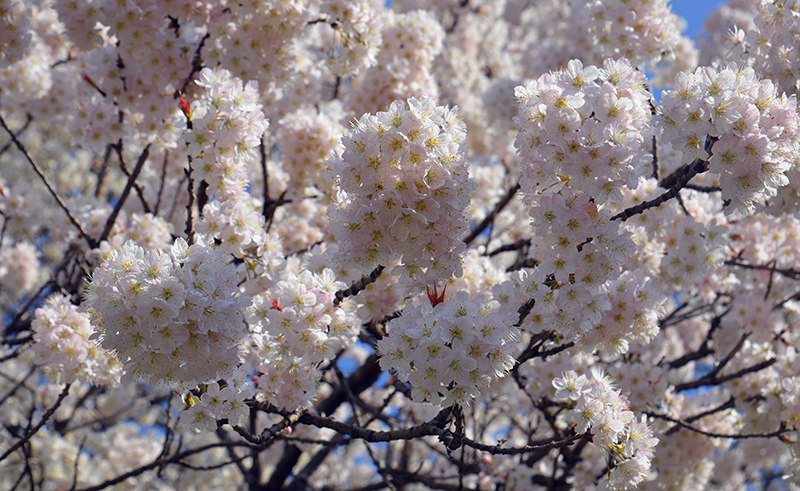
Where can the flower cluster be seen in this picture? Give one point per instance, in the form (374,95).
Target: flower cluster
(356,35)
(307,138)
(120,94)
(450,351)
(765,35)
(598,408)
(645,31)
(218,402)
(169,319)
(226,126)
(694,250)
(256,39)
(587,124)
(405,187)
(753,130)
(410,43)
(15,31)
(19,268)
(61,341)
(295,327)
(635,303)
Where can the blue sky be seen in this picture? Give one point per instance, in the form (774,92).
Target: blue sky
(695,12)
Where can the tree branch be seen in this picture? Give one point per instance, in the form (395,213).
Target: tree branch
(46,416)
(125,192)
(50,188)
(491,216)
(674,182)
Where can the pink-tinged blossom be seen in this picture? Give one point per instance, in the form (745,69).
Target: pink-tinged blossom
(415,213)
(733,108)
(441,352)
(171,328)
(65,348)
(226,128)
(603,412)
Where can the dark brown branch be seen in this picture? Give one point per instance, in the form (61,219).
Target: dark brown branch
(673,183)
(788,272)
(710,376)
(139,191)
(271,206)
(175,459)
(525,263)
(731,403)
(19,133)
(125,193)
(264,176)
(189,207)
(704,381)
(197,65)
(268,433)
(491,216)
(703,189)
(543,447)
(161,183)
(50,188)
(435,427)
(514,246)
(655,153)
(45,417)
(359,285)
(742,436)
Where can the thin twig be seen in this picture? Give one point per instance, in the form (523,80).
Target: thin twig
(46,416)
(125,193)
(190,206)
(50,188)
(268,433)
(492,215)
(742,436)
(139,191)
(674,182)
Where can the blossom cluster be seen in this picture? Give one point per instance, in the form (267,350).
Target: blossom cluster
(295,326)
(646,32)
(169,319)
(356,27)
(121,94)
(19,268)
(225,126)
(405,188)
(451,351)
(219,401)
(15,29)
(64,347)
(307,138)
(764,35)
(587,124)
(598,408)
(410,43)
(737,121)
(581,139)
